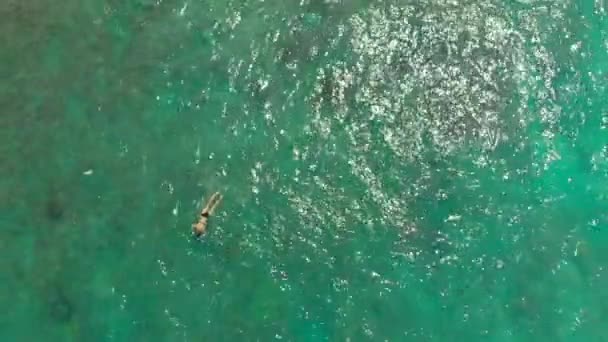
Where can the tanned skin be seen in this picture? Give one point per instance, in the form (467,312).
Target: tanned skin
(199,228)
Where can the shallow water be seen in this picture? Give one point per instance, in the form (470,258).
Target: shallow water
(391,170)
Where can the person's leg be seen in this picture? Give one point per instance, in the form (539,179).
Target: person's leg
(214,201)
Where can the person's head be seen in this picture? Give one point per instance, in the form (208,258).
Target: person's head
(200,227)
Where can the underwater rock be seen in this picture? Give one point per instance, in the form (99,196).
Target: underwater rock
(59,306)
(55,208)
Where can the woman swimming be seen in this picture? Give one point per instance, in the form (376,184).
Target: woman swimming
(200,227)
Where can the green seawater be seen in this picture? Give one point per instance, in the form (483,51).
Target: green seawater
(420,170)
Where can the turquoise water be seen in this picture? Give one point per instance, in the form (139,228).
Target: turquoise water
(391,170)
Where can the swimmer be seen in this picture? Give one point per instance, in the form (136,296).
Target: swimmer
(200,227)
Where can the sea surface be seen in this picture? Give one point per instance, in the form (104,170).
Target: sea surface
(423,170)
